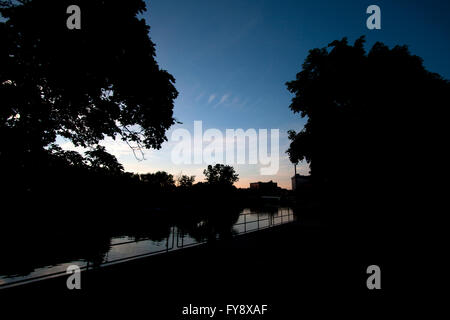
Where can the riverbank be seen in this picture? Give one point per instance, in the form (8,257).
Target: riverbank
(292,266)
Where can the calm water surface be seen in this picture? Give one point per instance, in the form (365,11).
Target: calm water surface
(170,237)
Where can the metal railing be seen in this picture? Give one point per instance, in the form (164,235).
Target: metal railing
(175,236)
(270,218)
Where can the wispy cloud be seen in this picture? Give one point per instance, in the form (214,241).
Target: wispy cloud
(222,100)
(211,98)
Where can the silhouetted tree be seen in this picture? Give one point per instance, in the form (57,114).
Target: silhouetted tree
(69,157)
(160,180)
(361,108)
(185,181)
(220,174)
(99,159)
(369,116)
(85,84)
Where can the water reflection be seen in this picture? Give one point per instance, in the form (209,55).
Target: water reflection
(38,254)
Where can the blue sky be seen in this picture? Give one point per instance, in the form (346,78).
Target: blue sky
(231,60)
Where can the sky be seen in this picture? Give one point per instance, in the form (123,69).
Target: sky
(231,60)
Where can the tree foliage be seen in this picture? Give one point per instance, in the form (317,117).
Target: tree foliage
(99,159)
(85,84)
(220,174)
(185,181)
(364,110)
(159,180)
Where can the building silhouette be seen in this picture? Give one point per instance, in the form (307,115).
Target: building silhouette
(298,181)
(264,186)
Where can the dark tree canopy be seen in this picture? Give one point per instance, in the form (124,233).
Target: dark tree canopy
(85,84)
(160,180)
(220,174)
(99,159)
(185,181)
(365,111)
